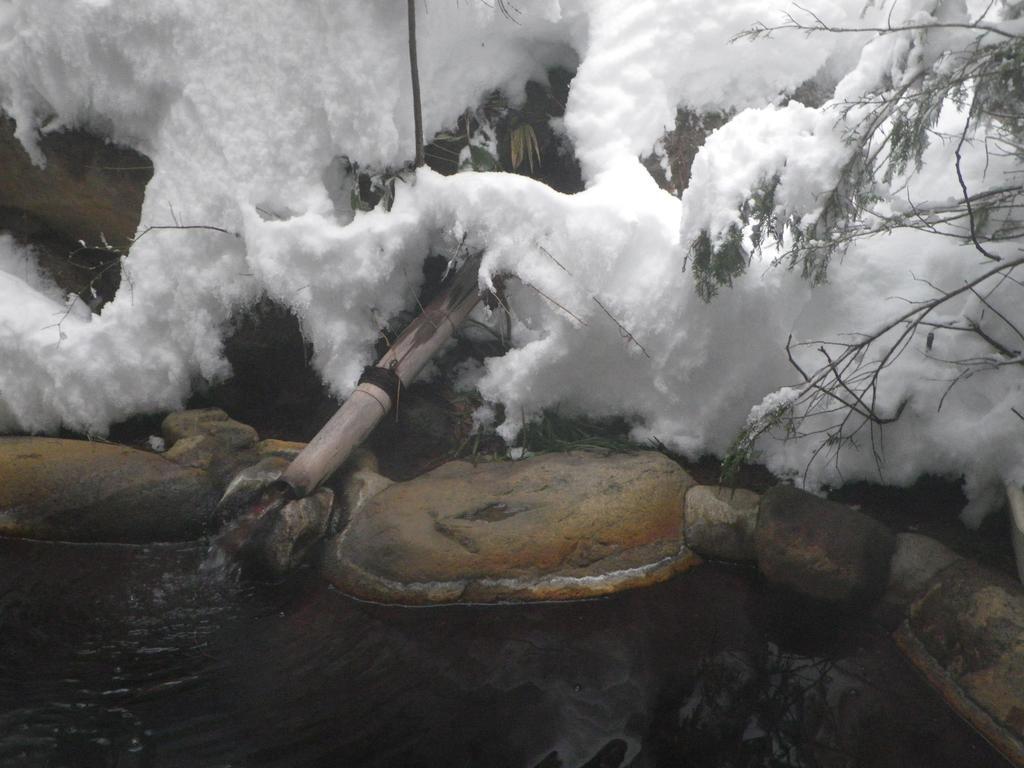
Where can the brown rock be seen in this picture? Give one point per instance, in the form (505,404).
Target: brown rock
(361,486)
(246,486)
(820,549)
(284,449)
(75,490)
(918,558)
(89,188)
(208,439)
(231,434)
(285,539)
(198,451)
(720,522)
(966,634)
(255,469)
(559,526)
(361,458)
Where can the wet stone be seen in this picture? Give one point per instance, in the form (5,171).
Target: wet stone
(820,549)
(284,449)
(361,486)
(76,490)
(966,634)
(208,439)
(249,483)
(720,522)
(89,189)
(553,527)
(286,537)
(918,558)
(211,422)
(198,451)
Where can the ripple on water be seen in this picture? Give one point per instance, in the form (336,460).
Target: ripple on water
(143,656)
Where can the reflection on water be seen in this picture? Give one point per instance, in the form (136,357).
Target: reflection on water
(131,656)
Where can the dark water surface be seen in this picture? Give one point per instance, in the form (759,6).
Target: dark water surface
(130,656)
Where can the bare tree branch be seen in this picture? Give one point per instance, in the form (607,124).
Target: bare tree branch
(622,329)
(967,197)
(759,29)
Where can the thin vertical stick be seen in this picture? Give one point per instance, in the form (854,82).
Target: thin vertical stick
(417,113)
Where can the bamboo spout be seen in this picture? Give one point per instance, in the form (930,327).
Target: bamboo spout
(369,403)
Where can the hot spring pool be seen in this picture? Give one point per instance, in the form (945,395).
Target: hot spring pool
(131,656)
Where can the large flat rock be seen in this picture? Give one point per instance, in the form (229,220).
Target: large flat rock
(966,634)
(76,490)
(553,527)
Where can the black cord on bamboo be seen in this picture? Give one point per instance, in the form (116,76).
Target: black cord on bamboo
(385,378)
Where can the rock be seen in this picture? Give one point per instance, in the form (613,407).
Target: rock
(206,452)
(966,634)
(363,458)
(820,549)
(918,558)
(720,522)
(558,526)
(284,449)
(284,539)
(361,486)
(357,478)
(89,189)
(208,439)
(212,422)
(198,451)
(249,483)
(275,542)
(75,490)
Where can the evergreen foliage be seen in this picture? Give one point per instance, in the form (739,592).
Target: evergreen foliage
(886,131)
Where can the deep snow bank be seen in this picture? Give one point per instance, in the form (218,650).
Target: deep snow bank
(243,107)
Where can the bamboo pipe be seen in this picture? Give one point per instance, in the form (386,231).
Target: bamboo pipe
(357,417)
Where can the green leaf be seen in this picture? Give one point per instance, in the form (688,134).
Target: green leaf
(716,265)
(482,160)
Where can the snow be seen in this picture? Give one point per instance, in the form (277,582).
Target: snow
(245,109)
(797,143)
